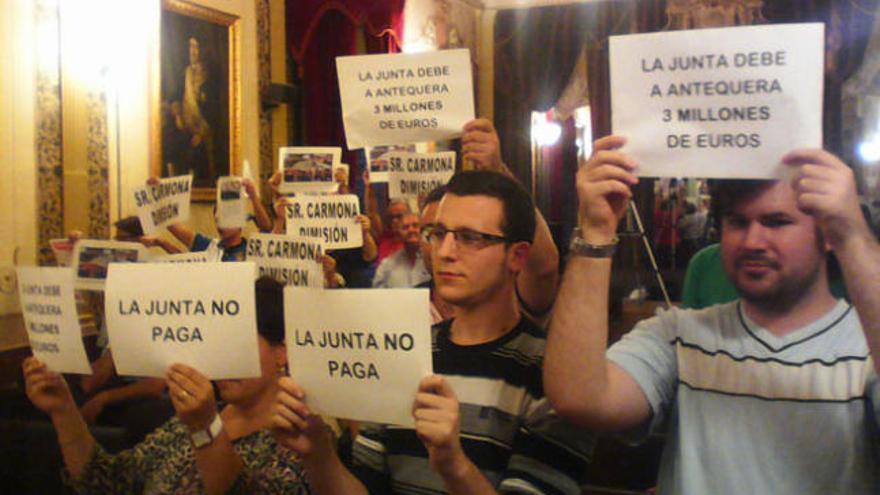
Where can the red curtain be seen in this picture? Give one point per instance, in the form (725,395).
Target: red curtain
(318,31)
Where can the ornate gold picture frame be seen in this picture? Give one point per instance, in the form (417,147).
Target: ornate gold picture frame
(196,115)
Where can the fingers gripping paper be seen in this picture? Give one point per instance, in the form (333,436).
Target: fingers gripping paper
(199,314)
(49,311)
(359,354)
(718,102)
(405,98)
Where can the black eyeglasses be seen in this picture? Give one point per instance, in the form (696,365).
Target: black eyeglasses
(465,238)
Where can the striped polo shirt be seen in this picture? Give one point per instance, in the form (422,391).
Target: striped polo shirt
(749,412)
(508,429)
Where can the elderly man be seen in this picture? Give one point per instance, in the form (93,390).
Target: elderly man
(776,392)
(405,268)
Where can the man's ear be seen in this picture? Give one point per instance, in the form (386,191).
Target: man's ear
(517,255)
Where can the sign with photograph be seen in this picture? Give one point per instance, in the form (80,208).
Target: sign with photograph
(49,311)
(164,203)
(378,159)
(724,103)
(405,98)
(417,174)
(289,260)
(231,203)
(307,169)
(332,220)
(359,354)
(92,258)
(202,315)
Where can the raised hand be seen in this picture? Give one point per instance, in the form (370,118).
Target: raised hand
(46,390)
(436,411)
(480,145)
(191,395)
(603,187)
(295,426)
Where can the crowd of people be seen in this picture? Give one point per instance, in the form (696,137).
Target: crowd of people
(775,391)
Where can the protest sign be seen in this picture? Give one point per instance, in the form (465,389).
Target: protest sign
(210,255)
(405,98)
(307,169)
(91,259)
(359,354)
(231,210)
(413,174)
(199,314)
(718,102)
(49,311)
(377,156)
(289,260)
(330,219)
(165,203)
(63,250)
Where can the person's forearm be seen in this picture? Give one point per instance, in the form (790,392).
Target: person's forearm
(219,464)
(538,283)
(76,442)
(261,216)
(167,245)
(859,257)
(102,372)
(328,476)
(183,234)
(369,251)
(574,365)
(467,480)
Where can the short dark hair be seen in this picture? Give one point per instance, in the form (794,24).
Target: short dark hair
(728,193)
(518,223)
(435,195)
(130,225)
(269,295)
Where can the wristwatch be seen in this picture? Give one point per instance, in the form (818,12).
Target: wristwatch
(204,437)
(580,247)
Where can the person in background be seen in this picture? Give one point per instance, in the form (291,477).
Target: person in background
(231,241)
(199,450)
(405,268)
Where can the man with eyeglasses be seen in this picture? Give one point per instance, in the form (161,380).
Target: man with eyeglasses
(482,423)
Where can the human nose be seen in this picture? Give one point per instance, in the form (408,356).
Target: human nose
(445,248)
(754,236)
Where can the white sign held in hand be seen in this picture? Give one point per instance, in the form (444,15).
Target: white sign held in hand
(199,314)
(414,174)
(163,204)
(405,98)
(49,310)
(724,103)
(331,219)
(359,354)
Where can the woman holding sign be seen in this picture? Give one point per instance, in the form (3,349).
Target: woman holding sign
(199,450)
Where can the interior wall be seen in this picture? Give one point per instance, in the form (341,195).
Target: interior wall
(18,210)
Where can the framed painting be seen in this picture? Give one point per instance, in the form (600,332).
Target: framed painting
(197,96)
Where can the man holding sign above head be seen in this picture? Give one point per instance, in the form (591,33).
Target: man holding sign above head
(200,450)
(482,423)
(232,243)
(774,393)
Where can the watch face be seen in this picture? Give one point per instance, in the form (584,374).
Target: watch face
(201,438)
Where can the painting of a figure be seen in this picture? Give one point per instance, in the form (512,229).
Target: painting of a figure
(198,114)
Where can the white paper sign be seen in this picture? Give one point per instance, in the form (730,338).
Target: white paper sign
(359,354)
(307,170)
(332,220)
(725,103)
(92,258)
(210,255)
(199,314)
(289,260)
(164,203)
(405,98)
(49,310)
(231,210)
(414,174)
(377,156)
